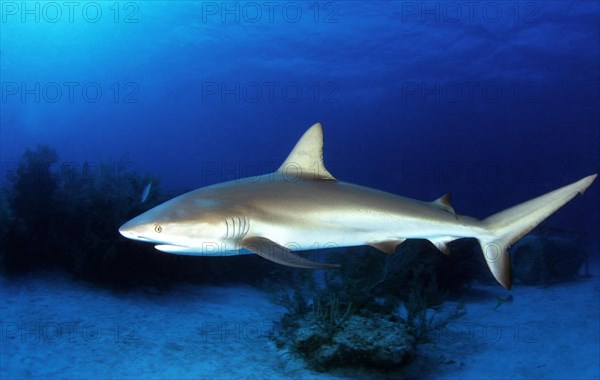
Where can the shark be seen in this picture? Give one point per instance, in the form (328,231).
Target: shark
(302,206)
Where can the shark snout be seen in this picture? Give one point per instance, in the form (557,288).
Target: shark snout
(128,231)
(125,231)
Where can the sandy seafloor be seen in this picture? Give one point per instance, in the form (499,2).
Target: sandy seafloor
(53,327)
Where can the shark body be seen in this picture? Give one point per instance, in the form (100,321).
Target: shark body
(302,206)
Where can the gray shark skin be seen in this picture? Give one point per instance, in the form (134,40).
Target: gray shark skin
(302,206)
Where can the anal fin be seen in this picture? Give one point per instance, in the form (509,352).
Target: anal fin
(272,251)
(442,244)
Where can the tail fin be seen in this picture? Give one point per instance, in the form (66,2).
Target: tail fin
(508,226)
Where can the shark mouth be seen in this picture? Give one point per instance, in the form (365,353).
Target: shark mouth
(178,249)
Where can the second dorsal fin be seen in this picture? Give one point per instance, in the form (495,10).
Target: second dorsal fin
(306,159)
(443,202)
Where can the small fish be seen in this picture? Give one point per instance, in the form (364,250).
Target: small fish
(146,192)
(503,300)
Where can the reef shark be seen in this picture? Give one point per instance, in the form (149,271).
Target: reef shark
(302,206)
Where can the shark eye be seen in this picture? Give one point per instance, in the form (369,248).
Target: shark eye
(157,228)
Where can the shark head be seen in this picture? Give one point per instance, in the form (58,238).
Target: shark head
(180,225)
(214,220)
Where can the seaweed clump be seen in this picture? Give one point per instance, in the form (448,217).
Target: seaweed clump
(31,202)
(370,314)
(6,219)
(63,216)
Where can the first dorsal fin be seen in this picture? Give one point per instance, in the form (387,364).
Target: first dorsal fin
(443,202)
(306,159)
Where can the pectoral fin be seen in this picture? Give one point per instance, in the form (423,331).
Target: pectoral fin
(279,254)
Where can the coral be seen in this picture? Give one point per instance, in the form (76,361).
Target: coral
(370,313)
(329,315)
(331,335)
(364,342)
(419,258)
(290,288)
(421,316)
(417,305)
(548,256)
(371,299)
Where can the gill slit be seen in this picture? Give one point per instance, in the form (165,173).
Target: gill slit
(236,227)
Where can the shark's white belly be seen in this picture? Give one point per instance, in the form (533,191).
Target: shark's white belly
(331,230)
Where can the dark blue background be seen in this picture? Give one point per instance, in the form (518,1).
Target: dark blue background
(495,102)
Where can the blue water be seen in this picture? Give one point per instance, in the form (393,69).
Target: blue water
(494,102)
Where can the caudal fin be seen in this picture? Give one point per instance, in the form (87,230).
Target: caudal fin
(508,226)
